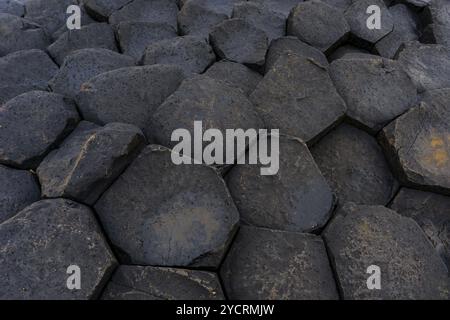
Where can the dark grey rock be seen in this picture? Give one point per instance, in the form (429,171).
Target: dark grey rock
(128,95)
(39,244)
(192,54)
(437,14)
(361,236)
(281,6)
(296,198)
(157,11)
(94,35)
(212,101)
(235,75)
(239,41)
(271,22)
(31,124)
(24,71)
(20,34)
(349,51)
(298,97)
(102,9)
(134,37)
(284,45)
(155,283)
(340,4)
(158,213)
(266,264)
(432,212)
(427,65)
(355,166)
(84,64)
(418,3)
(18,189)
(418,147)
(357,16)
(318,24)
(406,26)
(12,7)
(89,160)
(376,90)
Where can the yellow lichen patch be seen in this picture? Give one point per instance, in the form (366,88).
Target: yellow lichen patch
(438,155)
(437,142)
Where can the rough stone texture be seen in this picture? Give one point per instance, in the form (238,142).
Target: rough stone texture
(154,283)
(94,35)
(235,75)
(339,4)
(42,241)
(18,189)
(355,166)
(280,6)
(418,147)
(192,54)
(239,41)
(296,198)
(271,22)
(427,65)
(157,11)
(437,15)
(69,171)
(24,71)
(128,95)
(405,29)
(266,264)
(357,16)
(134,37)
(31,124)
(318,24)
(158,213)
(432,212)
(202,98)
(418,3)
(376,90)
(361,236)
(284,45)
(84,64)
(298,97)
(102,9)
(20,34)
(198,17)
(12,7)
(351,52)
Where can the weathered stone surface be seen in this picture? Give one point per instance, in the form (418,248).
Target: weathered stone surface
(296,198)
(239,41)
(318,24)
(102,9)
(155,283)
(376,90)
(201,98)
(134,37)
(432,212)
(437,15)
(20,34)
(427,65)
(12,7)
(352,52)
(235,75)
(42,241)
(418,3)
(298,97)
(192,54)
(128,95)
(355,166)
(357,16)
(281,6)
(24,71)
(158,213)
(69,171)
(340,4)
(405,29)
(18,189)
(157,11)
(266,264)
(418,147)
(271,22)
(94,35)
(31,124)
(361,236)
(198,17)
(284,45)
(84,64)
